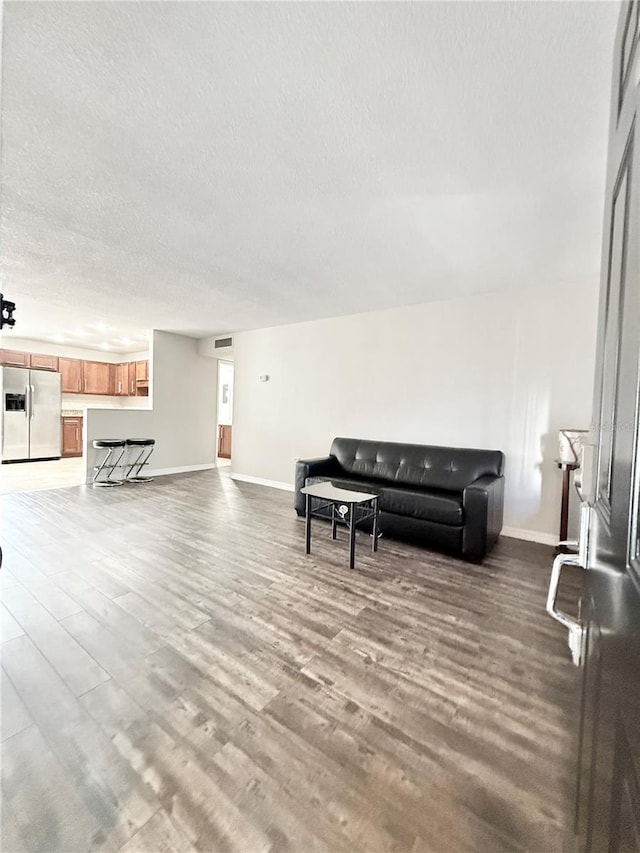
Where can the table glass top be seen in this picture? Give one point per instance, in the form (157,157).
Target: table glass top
(333,493)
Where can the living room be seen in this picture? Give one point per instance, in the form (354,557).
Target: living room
(395,213)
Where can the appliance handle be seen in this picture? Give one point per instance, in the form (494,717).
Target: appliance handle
(573,626)
(31,396)
(556,570)
(584,536)
(27,400)
(581,560)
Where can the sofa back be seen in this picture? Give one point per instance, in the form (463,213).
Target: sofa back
(448,469)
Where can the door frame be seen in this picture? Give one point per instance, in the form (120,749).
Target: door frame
(223,361)
(608,802)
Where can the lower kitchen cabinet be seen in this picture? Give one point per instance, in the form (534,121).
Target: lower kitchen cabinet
(224,441)
(71,436)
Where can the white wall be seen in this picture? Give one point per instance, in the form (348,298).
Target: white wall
(182,385)
(501,371)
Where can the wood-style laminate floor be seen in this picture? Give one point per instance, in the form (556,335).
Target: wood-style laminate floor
(40,476)
(177,675)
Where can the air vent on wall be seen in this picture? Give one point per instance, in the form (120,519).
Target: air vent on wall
(222,342)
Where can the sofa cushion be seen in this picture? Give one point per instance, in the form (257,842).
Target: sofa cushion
(448,469)
(429,506)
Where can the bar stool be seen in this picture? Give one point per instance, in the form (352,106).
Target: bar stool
(109,463)
(145,447)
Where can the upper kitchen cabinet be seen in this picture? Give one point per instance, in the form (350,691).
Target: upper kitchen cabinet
(122,384)
(12,358)
(127,379)
(44,362)
(142,370)
(98,377)
(132,378)
(71,372)
(142,378)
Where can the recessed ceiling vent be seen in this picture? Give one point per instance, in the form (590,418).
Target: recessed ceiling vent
(213,347)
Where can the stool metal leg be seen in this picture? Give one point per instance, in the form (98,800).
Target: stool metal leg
(99,468)
(138,465)
(115,465)
(108,465)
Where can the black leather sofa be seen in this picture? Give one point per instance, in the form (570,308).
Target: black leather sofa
(447,497)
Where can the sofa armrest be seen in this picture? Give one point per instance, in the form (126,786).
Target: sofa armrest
(483,505)
(325,466)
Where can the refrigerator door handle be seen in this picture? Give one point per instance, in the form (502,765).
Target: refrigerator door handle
(581,560)
(32,394)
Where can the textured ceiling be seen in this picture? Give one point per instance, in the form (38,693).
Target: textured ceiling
(206,167)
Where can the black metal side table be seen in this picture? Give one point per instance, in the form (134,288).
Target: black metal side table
(347,507)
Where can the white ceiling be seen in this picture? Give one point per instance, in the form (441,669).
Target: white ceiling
(211,167)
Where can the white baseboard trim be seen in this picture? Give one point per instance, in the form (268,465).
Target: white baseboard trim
(162,472)
(513,532)
(530,535)
(258,481)
(184,469)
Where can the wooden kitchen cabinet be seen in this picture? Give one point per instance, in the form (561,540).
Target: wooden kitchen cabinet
(44,362)
(224,441)
(135,378)
(132,378)
(98,377)
(71,436)
(71,373)
(142,378)
(122,385)
(127,379)
(13,358)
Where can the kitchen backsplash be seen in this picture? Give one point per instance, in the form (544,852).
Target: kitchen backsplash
(78,401)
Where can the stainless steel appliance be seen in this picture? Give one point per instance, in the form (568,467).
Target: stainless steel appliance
(31,403)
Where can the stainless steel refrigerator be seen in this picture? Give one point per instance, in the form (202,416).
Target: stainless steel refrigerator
(31,403)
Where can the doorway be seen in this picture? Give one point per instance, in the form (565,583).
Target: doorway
(225,412)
